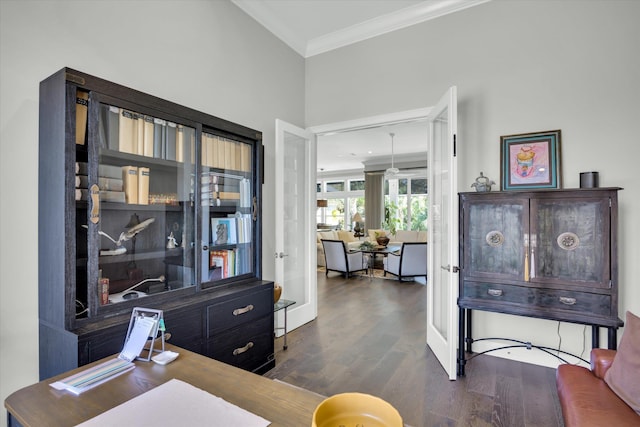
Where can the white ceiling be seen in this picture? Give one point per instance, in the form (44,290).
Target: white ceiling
(311,27)
(351,150)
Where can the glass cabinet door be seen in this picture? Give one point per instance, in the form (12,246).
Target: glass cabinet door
(227,203)
(134,206)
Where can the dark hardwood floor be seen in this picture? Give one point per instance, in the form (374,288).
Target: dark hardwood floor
(370,337)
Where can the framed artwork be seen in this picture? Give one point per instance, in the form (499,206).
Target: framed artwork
(530,161)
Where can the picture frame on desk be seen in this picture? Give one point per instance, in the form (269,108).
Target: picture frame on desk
(531,161)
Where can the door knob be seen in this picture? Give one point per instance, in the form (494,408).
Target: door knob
(450,269)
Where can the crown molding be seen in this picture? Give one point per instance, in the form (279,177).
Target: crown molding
(424,11)
(403,18)
(265,17)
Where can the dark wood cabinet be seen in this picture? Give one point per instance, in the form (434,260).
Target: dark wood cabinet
(548,254)
(143,203)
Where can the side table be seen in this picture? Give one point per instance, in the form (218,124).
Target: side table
(283,304)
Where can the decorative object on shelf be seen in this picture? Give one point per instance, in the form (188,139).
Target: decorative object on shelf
(482,183)
(589,180)
(277,292)
(171,241)
(124,236)
(221,233)
(530,161)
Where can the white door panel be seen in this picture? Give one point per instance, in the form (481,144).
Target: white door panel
(295,267)
(442,284)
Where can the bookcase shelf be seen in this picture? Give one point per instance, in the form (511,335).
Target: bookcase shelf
(143,177)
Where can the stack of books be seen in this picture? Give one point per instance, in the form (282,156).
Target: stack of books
(110,183)
(135,133)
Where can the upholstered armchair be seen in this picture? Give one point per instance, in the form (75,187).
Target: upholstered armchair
(410,262)
(338,258)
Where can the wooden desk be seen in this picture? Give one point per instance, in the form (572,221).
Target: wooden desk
(282,404)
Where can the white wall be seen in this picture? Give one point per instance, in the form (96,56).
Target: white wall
(207,55)
(520,66)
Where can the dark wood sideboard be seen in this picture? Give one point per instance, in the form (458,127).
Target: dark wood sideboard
(549,254)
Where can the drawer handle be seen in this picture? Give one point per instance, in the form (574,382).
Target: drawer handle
(241,350)
(243,310)
(567,300)
(495,292)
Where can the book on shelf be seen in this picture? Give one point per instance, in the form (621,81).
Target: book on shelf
(111,184)
(105,195)
(243,227)
(225,259)
(109,127)
(245,193)
(143,185)
(180,144)
(147,136)
(127,132)
(245,157)
(170,153)
(231,228)
(130,179)
(159,138)
(104,170)
(82,102)
(138,140)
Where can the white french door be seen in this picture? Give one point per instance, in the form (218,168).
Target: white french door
(442,285)
(295,207)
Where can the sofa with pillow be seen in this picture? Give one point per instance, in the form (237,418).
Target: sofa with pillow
(609,393)
(401,236)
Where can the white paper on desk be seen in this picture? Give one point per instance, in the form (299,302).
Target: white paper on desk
(138,338)
(176,403)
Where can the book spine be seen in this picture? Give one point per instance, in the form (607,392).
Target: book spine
(127,132)
(82,102)
(148,136)
(105,195)
(143,185)
(110,184)
(130,179)
(171,141)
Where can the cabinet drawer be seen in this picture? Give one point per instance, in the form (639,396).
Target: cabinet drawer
(235,312)
(186,329)
(248,347)
(538,298)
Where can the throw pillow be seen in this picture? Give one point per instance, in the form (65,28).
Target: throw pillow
(346,236)
(623,377)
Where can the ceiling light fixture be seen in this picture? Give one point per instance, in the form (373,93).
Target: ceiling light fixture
(392,171)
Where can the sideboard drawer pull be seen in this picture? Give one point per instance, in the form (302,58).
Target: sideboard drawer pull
(241,350)
(495,292)
(239,311)
(567,300)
